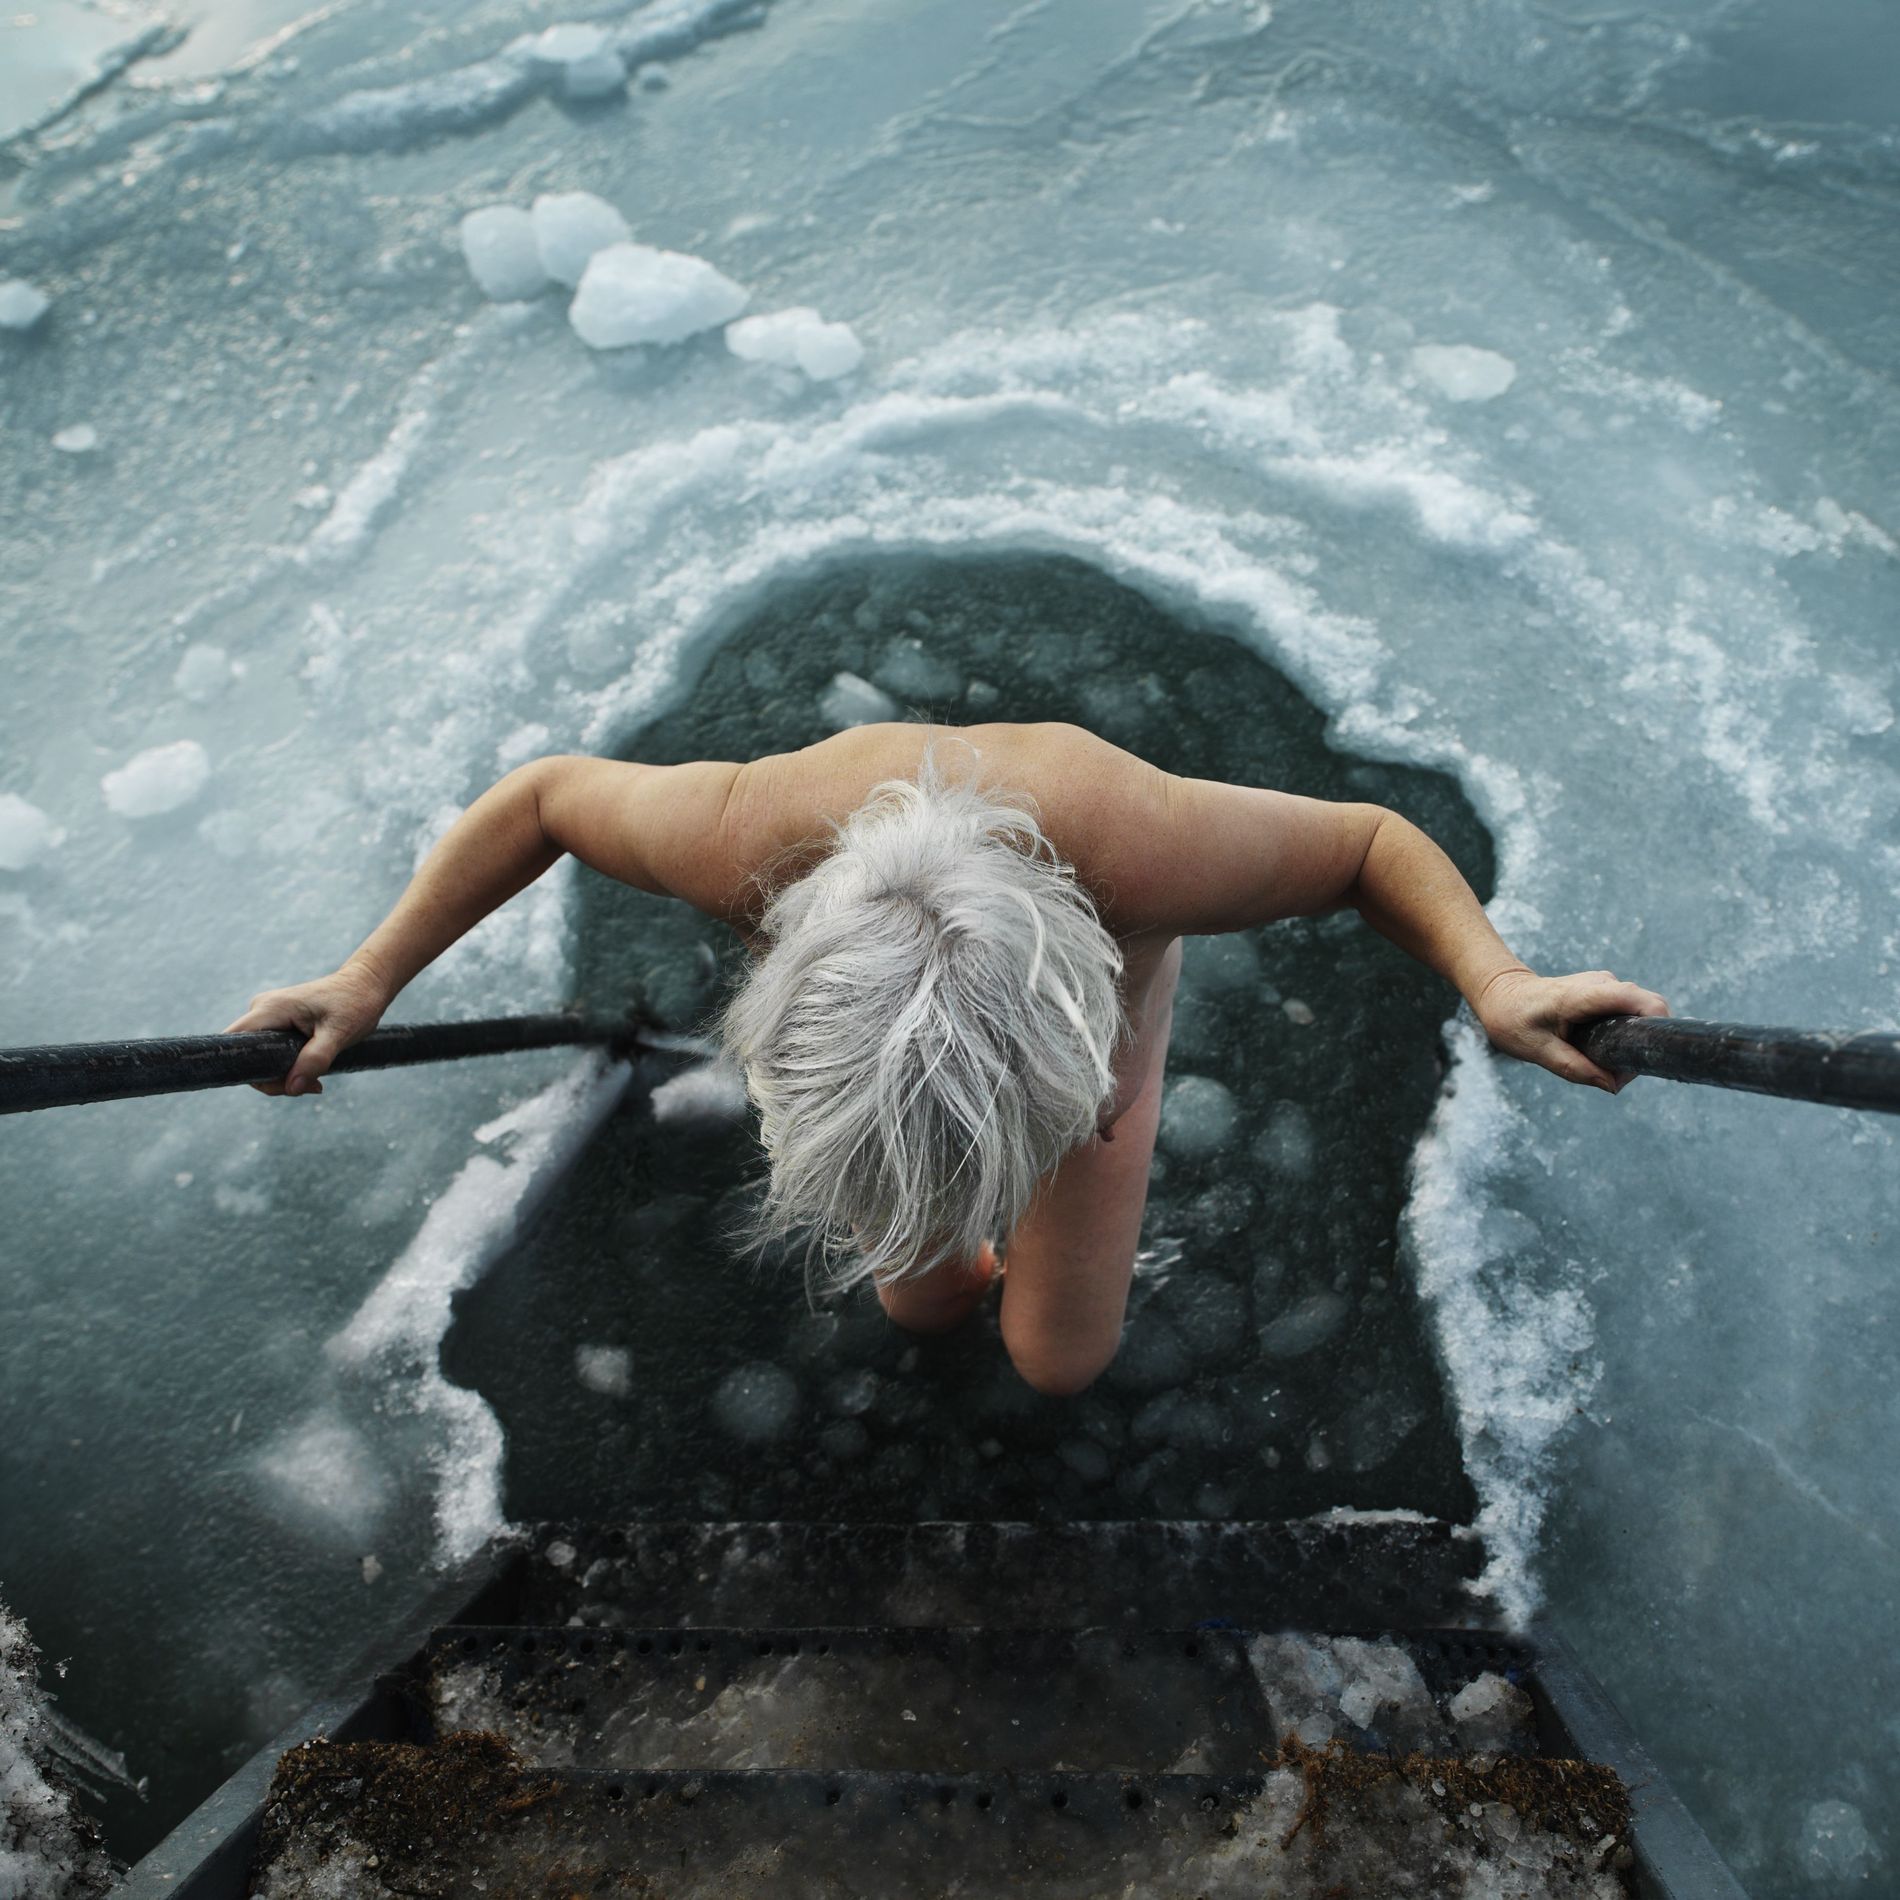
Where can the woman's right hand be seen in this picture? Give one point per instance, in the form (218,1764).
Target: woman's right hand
(331,1014)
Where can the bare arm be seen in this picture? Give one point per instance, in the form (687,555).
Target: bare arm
(1227,856)
(647,825)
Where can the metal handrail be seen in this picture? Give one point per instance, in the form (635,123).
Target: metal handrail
(1839,1068)
(65,1075)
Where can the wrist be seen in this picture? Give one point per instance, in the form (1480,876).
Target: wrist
(1484,992)
(365,968)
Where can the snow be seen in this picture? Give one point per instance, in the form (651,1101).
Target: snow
(798,338)
(504,253)
(161,779)
(21,304)
(632,293)
(48,1850)
(852,701)
(26,833)
(569,228)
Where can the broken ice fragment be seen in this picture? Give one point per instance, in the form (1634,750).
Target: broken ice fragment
(157,780)
(503,257)
(632,293)
(798,338)
(21,304)
(25,832)
(571,228)
(1462,373)
(851,701)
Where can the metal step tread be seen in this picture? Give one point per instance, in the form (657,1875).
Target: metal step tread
(469,1816)
(1194,1700)
(1340,1570)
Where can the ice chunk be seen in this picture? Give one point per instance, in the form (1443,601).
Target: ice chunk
(711,1093)
(21,304)
(570,229)
(653,77)
(905,667)
(562,45)
(607,1370)
(81,439)
(631,293)
(1226,962)
(1302,1327)
(1835,1844)
(798,338)
(1385,1695)
(1198,1116)
(203,673)
(851,701)
(1491,1715)
(1285,1146)
(1463,373)
(323,1474)
(503,257)
(25,832)
(583,58)
(157,780)
(756,1402)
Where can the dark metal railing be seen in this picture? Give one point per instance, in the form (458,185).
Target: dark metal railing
(62,1076)
(1839,1068)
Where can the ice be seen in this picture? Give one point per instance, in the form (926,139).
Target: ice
(1462,372)
(1285,1147)
(49,1849)
(79,439)
(1307,1324)
(1672,527)
(26,833)
(1198,1117)
(562,45)
(756,1403)
(325,1478)
(632,293)
(798,338)
(204,672)
(851,701)
(710,1094)
(160,779)
(910,670)
(1835,1845)
(1491,1715)
(503,253)
(598,76)
(607,1370)
(570,227)
(21,304)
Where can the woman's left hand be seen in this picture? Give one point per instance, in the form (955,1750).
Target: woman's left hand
(1530,1017)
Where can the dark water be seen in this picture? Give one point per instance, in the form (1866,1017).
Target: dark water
(1277,1367)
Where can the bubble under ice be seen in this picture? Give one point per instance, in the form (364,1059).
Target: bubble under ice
(1671,524)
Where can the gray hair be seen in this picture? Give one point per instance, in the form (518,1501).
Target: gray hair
(931,1027)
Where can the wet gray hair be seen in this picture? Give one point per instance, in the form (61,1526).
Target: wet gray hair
(931,1027)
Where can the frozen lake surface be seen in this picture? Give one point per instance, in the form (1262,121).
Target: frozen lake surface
(1491,398)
